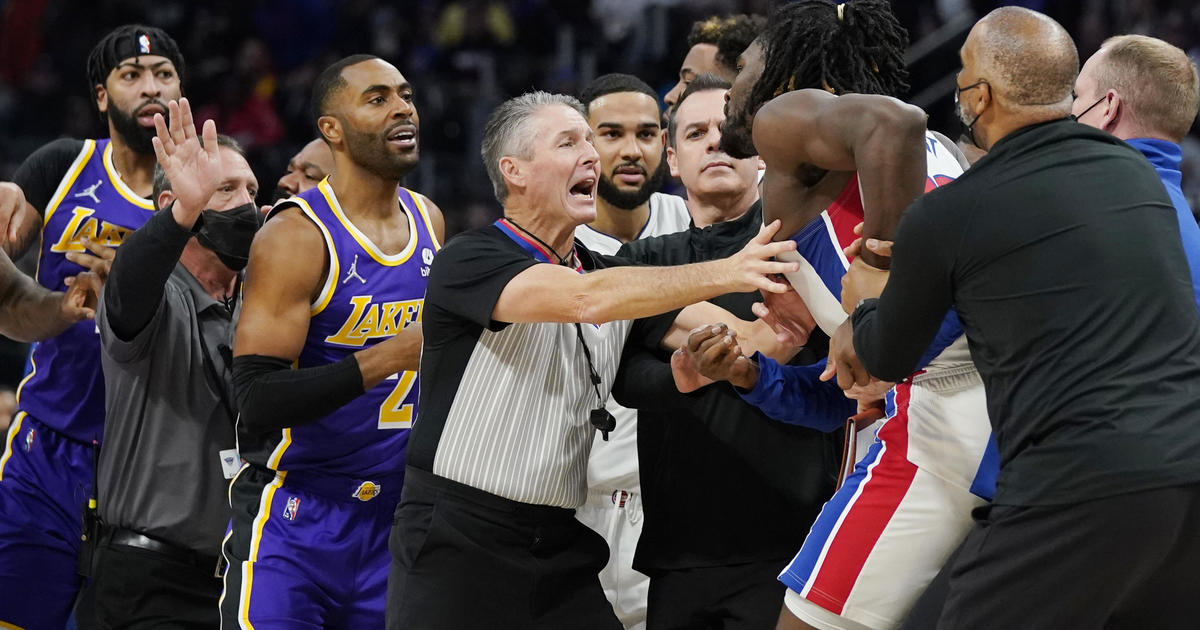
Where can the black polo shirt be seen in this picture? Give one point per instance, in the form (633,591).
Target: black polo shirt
(1061,252)
(722,483)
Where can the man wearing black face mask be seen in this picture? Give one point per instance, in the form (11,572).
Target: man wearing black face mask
(166,325)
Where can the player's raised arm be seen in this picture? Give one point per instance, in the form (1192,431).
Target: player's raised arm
(802,134)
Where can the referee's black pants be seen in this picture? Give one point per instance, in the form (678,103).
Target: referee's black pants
(139,589)
(465,558)
(1130,561)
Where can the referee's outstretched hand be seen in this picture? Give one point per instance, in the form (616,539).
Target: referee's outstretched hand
(753,268)
(194,170)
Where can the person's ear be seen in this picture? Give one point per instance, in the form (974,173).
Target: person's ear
(514,172)
(165,198)
(101,94)
(1114,108)
(331,129)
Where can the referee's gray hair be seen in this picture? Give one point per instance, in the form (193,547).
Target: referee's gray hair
(507,132)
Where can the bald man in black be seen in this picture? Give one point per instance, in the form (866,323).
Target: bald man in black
(1061,253)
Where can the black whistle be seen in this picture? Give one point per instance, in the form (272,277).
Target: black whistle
(602,421)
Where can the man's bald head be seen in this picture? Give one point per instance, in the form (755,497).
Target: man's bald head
(1028,59)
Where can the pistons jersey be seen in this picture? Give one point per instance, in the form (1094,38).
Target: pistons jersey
(368,296)
(819,248)
(65,387)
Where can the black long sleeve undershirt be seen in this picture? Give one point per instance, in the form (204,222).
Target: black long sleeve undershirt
(272,396)
(139,274)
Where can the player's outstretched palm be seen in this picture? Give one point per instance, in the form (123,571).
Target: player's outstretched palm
(194,170)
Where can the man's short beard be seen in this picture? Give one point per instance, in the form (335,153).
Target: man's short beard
(370,151)
(737,140)
(135,136)
(629,200)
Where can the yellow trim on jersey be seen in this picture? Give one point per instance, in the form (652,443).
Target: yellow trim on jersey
(335,270)
(9,626)
(8,444)
(392,260)
(85,154)
(32,371)
(260,522)
(120,185)
(425,217)
(277,454)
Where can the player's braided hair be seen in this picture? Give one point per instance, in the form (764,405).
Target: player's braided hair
(853,47)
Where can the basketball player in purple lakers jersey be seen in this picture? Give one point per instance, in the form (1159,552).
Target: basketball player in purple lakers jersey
(841,154)
(325,367)
(77,196)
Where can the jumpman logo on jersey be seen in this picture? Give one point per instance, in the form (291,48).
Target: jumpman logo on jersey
(90,191)
(353,272)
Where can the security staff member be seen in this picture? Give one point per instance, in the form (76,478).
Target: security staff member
(166,324)
(1061,253)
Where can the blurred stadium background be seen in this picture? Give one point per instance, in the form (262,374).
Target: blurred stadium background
(250,65)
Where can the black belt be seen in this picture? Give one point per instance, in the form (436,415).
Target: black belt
(130,538)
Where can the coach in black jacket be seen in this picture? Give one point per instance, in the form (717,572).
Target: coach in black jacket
(728,494)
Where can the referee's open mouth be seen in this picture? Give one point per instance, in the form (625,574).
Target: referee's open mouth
(583,189)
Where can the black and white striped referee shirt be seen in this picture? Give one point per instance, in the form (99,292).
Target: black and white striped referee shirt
(504,407)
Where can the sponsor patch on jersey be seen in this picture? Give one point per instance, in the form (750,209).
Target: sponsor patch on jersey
(367,490)
(292,507)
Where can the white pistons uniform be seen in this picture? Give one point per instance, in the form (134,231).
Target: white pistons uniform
(886,532)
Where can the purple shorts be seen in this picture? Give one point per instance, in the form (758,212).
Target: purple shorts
(307,550)
(45,480)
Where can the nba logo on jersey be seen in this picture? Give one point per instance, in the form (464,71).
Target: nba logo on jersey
(29,439)
(293,506)
(144,44)
(367,490)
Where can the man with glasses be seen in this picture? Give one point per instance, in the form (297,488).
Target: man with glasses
(1060,252)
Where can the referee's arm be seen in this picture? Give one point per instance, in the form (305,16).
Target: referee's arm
(553,293)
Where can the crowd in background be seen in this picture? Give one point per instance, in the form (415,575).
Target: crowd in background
(252,65)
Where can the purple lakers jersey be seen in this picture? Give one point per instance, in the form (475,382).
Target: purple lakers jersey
(64,388)
(368,296)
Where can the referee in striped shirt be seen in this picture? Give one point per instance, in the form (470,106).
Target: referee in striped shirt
(523,332)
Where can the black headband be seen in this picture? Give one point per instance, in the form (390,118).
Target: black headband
(131,40)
